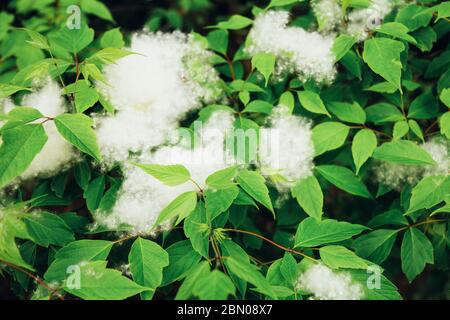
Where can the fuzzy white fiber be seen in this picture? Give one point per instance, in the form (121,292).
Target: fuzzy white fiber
(328,13)
(286,148)
(396,176)
(170,75)
(57,154)
(307,54)
(326,284)
(142,197)
(361,21)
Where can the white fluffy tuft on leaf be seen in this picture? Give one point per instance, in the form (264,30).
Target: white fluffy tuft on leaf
(286,148)
(326,284)
(170,75)
(57,154)
(396,176)
(361,21)
(142,197)
(308,54)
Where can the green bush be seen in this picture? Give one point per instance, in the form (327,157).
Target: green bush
(224,150)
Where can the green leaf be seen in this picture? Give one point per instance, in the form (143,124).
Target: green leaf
(414,16)
(382,55)
(375,246)
(96,8)
(84,95)
(445,124)
(313,233)
(182,257)
(344,179)
(404,152)
(75,253)
(171,175)
(312,102)
(382,87)
(280,3)
(192,277)
(181,206)
(349,112)
(329,136)
(396,30)
(429,192)
(24,114)
(340,257)
(235,22)
(250,273)
(46,229)
(401,128)
(112,39)
(425,106)
(415,128)
(20,146)
(264,62)
(425,37)
(89,70)
(147,261)
(416,252)
(383,112)
(218,201)
(94,193)
(364,143)
(214,285)
(223,178)
(385,291)
(287,100)
(8,89)
(259,106)
(99,283)
(37,40)
(443,10)
(309,196)
(288,268)
(254,184)
(445,97)
(218,41)
(73,40)
(109,55)
(77,129)
(342,45)
(197,229)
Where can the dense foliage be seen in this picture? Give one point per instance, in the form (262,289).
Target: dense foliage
(202,149)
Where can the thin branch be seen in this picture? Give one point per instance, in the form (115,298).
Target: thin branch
(271,242)
(35,278)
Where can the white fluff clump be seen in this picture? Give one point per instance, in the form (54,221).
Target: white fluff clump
(325,284)
(170,75)
(286,148)
(308,54)
(439,150)
(57,154)
(361,21)
(396,176)
(142,197)
(328,13)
